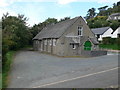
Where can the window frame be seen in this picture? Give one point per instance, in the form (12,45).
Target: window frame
(54,42)
(73,46)
(80,30)
(45,42)
(50,42)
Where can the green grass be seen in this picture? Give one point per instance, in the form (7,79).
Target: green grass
(113,46)
(0,81)
(6,68)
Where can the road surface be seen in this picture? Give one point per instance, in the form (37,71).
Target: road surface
(32,69)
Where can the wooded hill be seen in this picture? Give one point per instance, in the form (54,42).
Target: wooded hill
(97,20)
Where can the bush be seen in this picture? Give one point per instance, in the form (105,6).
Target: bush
(106,40)
(111,43)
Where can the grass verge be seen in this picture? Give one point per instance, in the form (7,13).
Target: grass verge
(110,46)
(6,68)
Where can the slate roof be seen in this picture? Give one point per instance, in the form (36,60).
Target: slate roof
(100,31)
(94,40)
(56,30)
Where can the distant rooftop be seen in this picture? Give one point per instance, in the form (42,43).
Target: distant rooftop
(100,31)
(115,14)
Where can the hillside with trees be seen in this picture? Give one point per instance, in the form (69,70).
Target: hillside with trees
(97,20)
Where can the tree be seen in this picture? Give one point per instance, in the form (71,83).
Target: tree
(91,13)
(102,8)
(15,32)
(65,18)
(114,25)
(103,11)
(50,21)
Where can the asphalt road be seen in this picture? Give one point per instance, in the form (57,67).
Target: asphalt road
(105,79)
(34,70)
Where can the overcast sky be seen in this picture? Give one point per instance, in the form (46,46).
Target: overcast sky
(39,10)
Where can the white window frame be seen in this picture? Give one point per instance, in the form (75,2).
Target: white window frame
(115,17)
(54,42)
(50,42)
(73,46)
(45,42)
(80,30)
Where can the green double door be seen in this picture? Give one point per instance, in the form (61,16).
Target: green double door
(87,45)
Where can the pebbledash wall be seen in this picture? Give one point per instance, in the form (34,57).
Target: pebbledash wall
(70,43)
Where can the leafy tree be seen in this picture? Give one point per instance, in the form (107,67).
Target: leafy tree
(114,24)
(65,18)
(91,13)
(15,33)
(50,21)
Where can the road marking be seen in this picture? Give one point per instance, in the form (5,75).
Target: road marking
(75,78)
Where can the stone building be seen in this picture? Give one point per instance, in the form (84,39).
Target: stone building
(68,38)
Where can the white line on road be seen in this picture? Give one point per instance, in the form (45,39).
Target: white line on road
(75,78)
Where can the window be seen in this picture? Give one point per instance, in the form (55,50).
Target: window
(74,46)
(37,42)
(115,18)
(54,42)
(45,42)
(50,42)
(98,36)
(118,17)
(80,30)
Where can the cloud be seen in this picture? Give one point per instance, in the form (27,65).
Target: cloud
(4,3)
(63,2)
(66,1)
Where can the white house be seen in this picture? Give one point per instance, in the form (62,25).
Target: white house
(116,33)
(114,16)
(100,33)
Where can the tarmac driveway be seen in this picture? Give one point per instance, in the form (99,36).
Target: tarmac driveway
(31,68)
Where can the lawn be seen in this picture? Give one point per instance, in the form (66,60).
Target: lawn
(110,46)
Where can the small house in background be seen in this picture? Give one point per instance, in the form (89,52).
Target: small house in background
(100,33)
(116,33)
(114,16)
(68,38)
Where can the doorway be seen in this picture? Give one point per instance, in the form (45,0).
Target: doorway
(87,45)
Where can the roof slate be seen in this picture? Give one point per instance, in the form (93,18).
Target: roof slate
(56,30)
(100,31)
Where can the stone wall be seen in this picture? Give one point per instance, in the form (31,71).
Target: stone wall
(93,53)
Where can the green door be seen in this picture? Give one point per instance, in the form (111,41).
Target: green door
(87,45)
